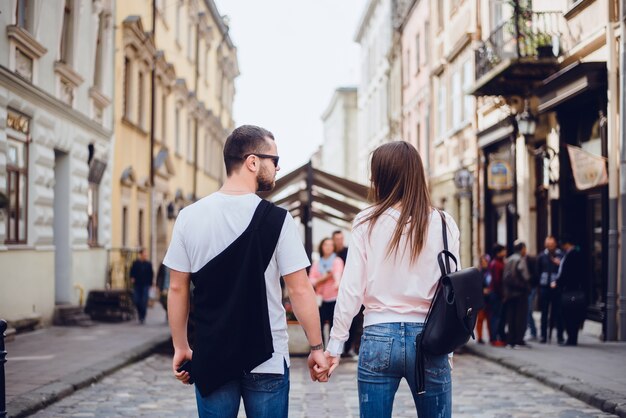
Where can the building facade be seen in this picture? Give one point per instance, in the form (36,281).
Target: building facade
(56,140)
(374,34)
(173,123)
(453,149)
(546,82)
(338,154)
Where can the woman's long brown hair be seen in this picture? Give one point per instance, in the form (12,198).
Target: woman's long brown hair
(397,176)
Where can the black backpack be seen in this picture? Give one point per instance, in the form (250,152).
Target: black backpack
(452,315)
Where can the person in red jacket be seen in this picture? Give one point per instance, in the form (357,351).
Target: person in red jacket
(496,295)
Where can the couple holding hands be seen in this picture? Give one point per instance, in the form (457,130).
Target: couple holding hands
(234,247)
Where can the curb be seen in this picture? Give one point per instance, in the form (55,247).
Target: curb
(603,399)
(31,402)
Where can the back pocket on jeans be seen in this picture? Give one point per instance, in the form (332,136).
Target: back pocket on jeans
(375,353)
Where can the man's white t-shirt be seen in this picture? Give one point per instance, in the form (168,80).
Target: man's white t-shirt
(206,228)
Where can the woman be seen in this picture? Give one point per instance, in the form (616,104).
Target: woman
(392,270)
(325,276)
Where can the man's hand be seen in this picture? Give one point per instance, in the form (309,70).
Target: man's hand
(318,366)
(179,358)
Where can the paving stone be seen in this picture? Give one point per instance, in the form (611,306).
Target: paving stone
(481,389)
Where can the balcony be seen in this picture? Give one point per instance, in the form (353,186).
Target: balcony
(519,54)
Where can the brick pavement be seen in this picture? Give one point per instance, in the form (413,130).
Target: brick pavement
(50,363)
(594,371)
(481,389)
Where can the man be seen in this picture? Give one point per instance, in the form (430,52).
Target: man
(571,284)
(340,250)
(516,281)
(548,265)
(498,319)
(141,275)
(221,243)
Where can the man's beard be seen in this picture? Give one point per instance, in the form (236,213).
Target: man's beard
(264,181)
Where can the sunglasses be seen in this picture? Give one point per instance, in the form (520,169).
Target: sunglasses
(274,158)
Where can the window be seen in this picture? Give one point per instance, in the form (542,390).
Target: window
(92,214)
(24,15)
(418,137)
(127,76)
(140,229)
(189,135)
(190,43)
(67,32)
(124,226)
(440,14)
(426,42)
(441,108)
(179,7)
(418,58)
(468,81)
(177,132)
(206,64)
(17,190)
(99,62)
(457,99)
(164,117)
(140,100)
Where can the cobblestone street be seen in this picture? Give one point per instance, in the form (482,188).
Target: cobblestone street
(481,389)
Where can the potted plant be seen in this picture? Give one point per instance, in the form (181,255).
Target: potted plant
(544,44)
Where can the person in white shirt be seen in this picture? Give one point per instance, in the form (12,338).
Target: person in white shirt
(204,249)
(392,270)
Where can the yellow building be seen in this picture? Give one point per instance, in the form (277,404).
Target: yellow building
(170,133)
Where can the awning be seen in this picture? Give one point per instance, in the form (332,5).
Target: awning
(311,193)
(571,82)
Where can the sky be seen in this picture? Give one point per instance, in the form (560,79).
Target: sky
(292,55)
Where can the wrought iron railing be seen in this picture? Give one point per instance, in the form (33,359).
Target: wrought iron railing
(525,35)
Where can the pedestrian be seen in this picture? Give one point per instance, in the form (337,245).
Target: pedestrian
(235,246)
(340,249)
(325,275)
(483,316)
(549,296)
(516,281)
(531,261)
(351,347)
(496,296)
(163,284)
(392,269)
(141,277)
(571,284)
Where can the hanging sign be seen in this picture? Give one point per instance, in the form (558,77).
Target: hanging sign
(589,170)
(499,175)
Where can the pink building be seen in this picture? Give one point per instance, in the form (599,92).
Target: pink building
(416,89)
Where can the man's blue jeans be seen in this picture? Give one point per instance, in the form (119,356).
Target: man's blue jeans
(387,355)
(264,395)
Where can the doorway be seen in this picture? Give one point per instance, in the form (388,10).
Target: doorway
(61,227)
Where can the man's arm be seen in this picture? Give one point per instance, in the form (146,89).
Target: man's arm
(178,313)
(305,308)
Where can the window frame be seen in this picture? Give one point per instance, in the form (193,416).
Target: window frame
(20,172)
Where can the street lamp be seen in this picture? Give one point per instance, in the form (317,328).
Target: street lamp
(526,122)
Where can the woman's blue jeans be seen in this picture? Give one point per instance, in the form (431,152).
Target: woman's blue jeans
(387,355)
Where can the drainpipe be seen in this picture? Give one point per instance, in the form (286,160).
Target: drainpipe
(622,172)
(195,90)
(152,205)
(610,326)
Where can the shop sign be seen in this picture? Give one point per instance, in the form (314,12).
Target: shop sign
(499,175)
(589,170)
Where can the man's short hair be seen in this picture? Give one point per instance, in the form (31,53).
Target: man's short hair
(497,248)
(337,232)
(518,246)
(245,139)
